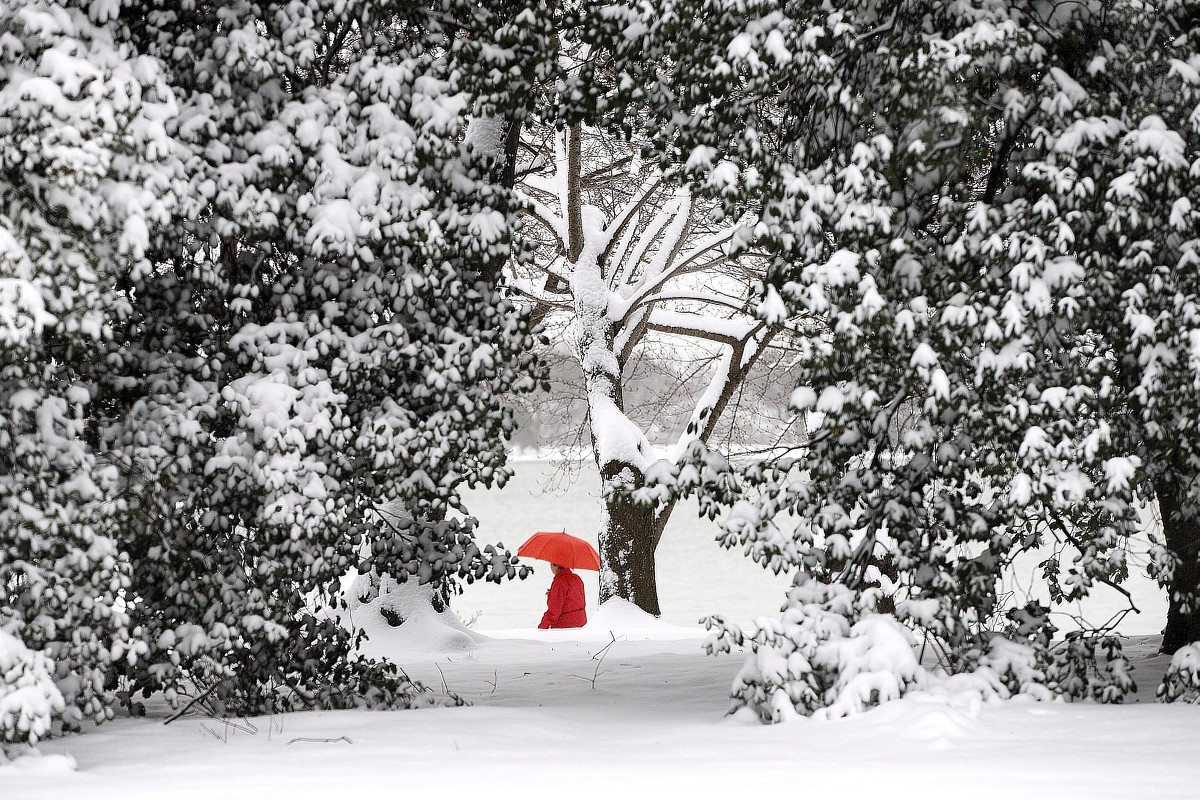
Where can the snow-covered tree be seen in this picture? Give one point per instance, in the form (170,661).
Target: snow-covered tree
(83,177)
(317,338)
(248,263)
(628,261)
(994,205)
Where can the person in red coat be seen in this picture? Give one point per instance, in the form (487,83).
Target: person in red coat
(565,602)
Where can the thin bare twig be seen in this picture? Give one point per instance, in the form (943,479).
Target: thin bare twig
(445,687)
(598,657)
(193,702)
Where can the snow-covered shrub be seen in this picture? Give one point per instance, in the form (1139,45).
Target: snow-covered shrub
(1027,660)
(829,655)
(1182,681)
(874,664)
(30,702)
(84,176)
(1088,665)
(1019,668)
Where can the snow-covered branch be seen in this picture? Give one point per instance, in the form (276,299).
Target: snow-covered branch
(700,326)
(540,213)
(542,296)
(707,298)
(685,265)
(625,217)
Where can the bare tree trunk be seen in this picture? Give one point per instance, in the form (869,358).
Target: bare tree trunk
(626,533)
(627,546)
(1182,531)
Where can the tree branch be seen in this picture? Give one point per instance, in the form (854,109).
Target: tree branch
(623,218)
(540,213)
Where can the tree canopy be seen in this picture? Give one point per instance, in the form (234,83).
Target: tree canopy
(249,300)
(992,205)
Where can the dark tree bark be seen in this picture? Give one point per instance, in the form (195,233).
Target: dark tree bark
(627,540)
(1182,530)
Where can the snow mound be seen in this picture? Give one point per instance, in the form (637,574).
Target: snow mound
(377,604)
(622,617)
(35,763)
(939,719)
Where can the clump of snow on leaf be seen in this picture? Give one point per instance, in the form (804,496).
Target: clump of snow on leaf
(29,699)
(1182,681)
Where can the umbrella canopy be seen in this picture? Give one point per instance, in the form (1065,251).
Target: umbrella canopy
(560,548)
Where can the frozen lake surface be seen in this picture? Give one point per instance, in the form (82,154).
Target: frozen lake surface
(696,576)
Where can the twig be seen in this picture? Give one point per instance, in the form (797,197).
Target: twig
(193,702)
(598,657)
(1058,525)
(345,739)
(249,727)
(445,688)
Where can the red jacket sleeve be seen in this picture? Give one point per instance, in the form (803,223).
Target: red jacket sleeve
(556,598)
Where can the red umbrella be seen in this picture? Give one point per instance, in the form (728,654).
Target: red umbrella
(561,548)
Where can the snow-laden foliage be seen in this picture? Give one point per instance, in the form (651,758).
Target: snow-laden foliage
(832,654)
(83,176)
(314,341)
(829,655)
(993,206)
(1182,681)
(1025,659)
(248,296)
(29,699)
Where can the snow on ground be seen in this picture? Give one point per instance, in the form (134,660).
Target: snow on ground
(626,706)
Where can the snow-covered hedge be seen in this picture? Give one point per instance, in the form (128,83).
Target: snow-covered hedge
(29,700)
(830,654)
